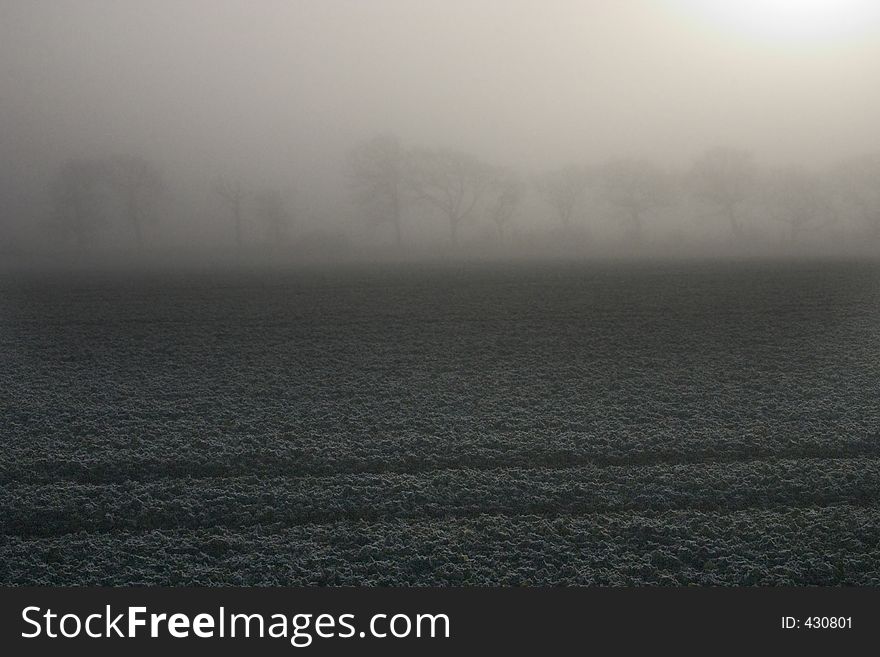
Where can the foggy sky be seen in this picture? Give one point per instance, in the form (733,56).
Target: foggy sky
(278,90)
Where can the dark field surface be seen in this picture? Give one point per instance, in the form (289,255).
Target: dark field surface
(610,423)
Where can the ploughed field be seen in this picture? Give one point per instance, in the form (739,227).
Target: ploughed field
(613,423)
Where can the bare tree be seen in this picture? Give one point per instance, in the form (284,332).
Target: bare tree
(77,193)
(635,187)
(857,183)
(139,183)
(798,198)
(272,211)
(725,178)
(506,192)
(376,174)
(563,189)
(451,181)
(232,194)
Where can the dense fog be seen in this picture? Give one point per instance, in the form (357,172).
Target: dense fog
(326,129)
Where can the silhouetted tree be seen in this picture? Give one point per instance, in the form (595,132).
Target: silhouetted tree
(563,189)
(77,191)
(725,178)
(635,187)
(506,192)
(232,194)
(798,198)
(451,181)
(857,182)
(273,214)
(376,174)
(139,183)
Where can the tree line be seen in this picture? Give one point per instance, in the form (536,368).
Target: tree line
(87,193)
(387,183)
(725,181)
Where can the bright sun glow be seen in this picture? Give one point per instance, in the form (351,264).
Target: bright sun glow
(791,21)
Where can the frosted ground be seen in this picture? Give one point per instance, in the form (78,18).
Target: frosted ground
(656,423)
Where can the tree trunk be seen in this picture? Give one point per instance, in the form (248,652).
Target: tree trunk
(565,217)
(395,204)
(453,231)
(237,210)
(80,230)
(636,226)
(134,216)
(735,226)
(397,236)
